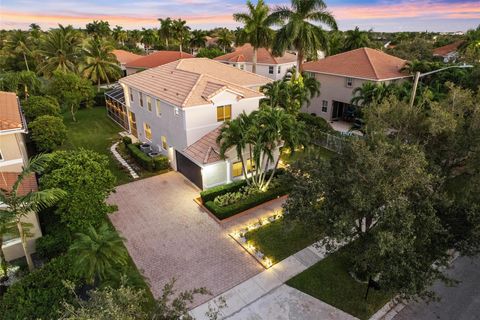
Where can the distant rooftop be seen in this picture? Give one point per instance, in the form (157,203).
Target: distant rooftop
(363,63)
(124,56)
(157,58)
(245,54)
(449,48)
(192,82)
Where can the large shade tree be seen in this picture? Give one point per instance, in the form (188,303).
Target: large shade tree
(19,205)
(257,28)
(166,31)
(355,39)
(301,28)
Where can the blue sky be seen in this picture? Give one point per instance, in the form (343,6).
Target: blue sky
(380,15)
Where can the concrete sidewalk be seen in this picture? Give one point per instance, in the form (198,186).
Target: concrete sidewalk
(262,289)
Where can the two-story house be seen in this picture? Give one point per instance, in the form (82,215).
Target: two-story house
(179,107)
(340,74)
(267,65)
(13,155)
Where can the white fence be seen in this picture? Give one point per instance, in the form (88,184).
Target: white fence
(331,142)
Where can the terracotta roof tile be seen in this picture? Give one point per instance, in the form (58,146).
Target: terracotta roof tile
(7,180)
(449,48)
(10,114)
(124,56)
(245,54)
(205,150)
(190,82)
(364,63)
(157,58)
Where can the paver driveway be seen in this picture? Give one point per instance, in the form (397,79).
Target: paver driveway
(169,236)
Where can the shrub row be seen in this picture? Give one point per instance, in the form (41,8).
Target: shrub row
(212,193)
(250,202)
(145,161)
(315,122)
(39,294)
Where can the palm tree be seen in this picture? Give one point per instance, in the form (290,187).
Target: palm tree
(356,39)
(165,31)
(100,62)
(336,41)
(98,254)
(149,38)
(298,28)
(18,42)
(370,93)
(275,93)
(180,31)
(224,38)
(119,35)
(29,81)
(18,205)
(60,50)
(235,134)
(6,229)
(198,39)
(257,28)
(135,36)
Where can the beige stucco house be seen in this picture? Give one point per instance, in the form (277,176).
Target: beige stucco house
(267,65)
(179,107)
(340,74)
(13,155)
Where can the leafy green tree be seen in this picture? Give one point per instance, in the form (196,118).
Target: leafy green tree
(120,35)
(299,31)
(59,51)
(19,205)
(48,132)
(71,90)
(381,199)
(37,106)
(85,177)
(416,49)
(257,28)
(99,255)
(6,229)
(100,64)
(209,53)
(18,42)
(23,83)
(470,49)
(355,39)
(149,38)
(165,32)
(336,41)
(181,32)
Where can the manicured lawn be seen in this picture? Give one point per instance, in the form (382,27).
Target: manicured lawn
(329,281)
(279,240)
(94,130)
(290,158)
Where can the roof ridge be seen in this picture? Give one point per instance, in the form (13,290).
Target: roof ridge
(200,76)
(230,83)
(371,62)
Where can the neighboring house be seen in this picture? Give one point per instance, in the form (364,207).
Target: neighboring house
(340,74)
(125,57)
(179,107)
(153,60)
(449,53)
(13,155)
(267,65)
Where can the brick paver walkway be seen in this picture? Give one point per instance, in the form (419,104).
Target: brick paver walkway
(169,236)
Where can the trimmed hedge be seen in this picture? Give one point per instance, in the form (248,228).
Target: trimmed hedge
(259,198)
(39,294)
(212,193)
(145,161)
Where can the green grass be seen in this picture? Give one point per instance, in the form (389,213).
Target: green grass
(329,281)
(279,239)
(94,130)
(290,158)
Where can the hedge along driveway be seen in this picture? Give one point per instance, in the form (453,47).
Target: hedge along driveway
(168,236)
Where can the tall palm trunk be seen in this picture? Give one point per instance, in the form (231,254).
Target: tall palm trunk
(300,58)
(273,170)
(180,49)
(72,111)
(166,43)
(23,238)
(98,85)
(254,60)
(25,59)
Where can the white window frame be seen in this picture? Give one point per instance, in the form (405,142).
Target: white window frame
(271,70)
(279,69)
(149,103)
(158,107)
(140,99)
(324,106)
(145,131)
(349,82)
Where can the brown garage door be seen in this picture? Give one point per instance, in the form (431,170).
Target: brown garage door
(189,169)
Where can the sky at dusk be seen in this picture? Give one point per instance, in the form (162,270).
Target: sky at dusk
(380,15)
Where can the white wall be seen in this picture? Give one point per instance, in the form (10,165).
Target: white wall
(263,69)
